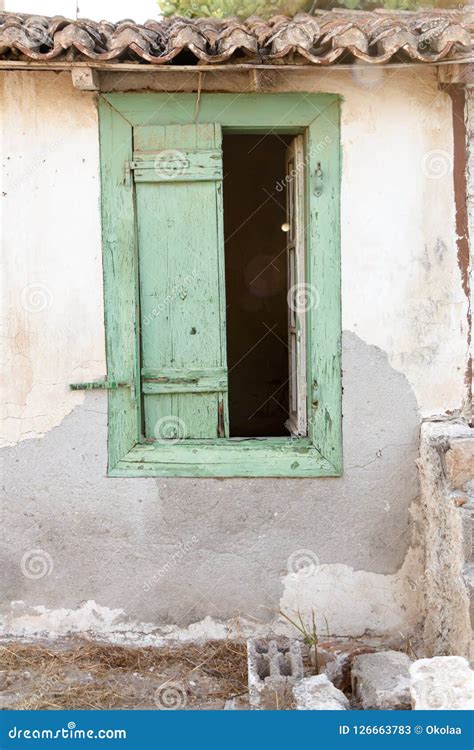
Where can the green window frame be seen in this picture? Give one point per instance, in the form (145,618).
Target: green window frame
(317,118)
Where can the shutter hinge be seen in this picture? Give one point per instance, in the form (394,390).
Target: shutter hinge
(110,385)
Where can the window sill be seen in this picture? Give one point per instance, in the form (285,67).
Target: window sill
(267,457)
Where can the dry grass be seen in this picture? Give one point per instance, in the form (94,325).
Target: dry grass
(85,675)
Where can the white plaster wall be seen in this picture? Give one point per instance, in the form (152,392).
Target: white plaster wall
(52,311)
(401,284)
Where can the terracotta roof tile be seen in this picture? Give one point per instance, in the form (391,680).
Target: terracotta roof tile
(325,37)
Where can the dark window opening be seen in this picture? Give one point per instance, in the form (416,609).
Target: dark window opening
(256,284)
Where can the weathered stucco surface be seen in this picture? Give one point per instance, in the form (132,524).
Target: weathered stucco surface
(169,553)
(174,551)
(52,311)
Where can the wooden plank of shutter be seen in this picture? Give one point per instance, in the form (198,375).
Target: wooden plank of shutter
(184,381)
(172,165)
(182,296)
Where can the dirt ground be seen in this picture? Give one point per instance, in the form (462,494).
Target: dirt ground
(80,674)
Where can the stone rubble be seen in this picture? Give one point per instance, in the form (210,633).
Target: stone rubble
(319,694)
(379,680)
(443,683)
(335,658)
(382,680)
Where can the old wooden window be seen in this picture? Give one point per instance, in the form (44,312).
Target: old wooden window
(172,345)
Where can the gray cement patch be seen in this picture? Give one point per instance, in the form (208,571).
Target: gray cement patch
(175,551)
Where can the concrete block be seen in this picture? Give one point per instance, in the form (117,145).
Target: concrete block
(319,694)
(460,463)
(382,680)
(444,683)
(335,658)
(274,666)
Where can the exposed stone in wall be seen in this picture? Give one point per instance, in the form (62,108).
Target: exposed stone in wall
(447,628)
(460,464)
(470,199)
(470,170)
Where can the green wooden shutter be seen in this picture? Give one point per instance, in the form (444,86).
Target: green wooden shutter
(178,181)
